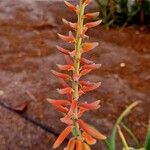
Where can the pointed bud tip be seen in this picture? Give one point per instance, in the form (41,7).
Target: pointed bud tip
(96,43)
(57,46)
(48,99)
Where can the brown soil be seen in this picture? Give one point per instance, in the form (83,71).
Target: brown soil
(27,54)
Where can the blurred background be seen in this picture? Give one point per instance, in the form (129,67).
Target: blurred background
(28,36)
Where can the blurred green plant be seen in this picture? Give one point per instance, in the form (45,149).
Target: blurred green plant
(110,142)
(147,143)
(124,12)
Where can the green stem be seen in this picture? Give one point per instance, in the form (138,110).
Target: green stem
(78,46)
(124,142)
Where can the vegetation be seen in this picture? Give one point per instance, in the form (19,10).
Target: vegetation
(123,12)
(119,125)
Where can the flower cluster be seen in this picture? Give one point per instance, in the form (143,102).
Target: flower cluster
(78,66)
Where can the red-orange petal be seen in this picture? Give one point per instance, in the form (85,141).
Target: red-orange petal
(70,24)
(58,102)
(62,50)
(88,88)
(65,67)
(68,59)
(76,77)
(73,53)
(79,145)
(67,120)
(86,61)
(85,83)
(65,85)
(69,38)
(92,24)
(71,144)
(66,22)
(91,87)
(89,139)
(70,6)
(81,111)
(73,107)
(90,130)
(60,75)
(91,15)
(62,136)
(83,31)
(73,25)
(91,66)
(85,71)
(89,46)
(93,105)
(67,90)
(61,108)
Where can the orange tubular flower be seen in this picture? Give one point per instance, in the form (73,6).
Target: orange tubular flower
(69,38)
(86,147)
(70,6)
(93,105)
(58,102)
(91,15)
(61,108)
(62,50)
(89,46)
(79,145)
(93,132)
(60,75)
(91,66)
(62,136)
(88,138)
(71,144)
(92,24)
(86,61)
(88,88)
(83,135)
(65,67)
(65,90)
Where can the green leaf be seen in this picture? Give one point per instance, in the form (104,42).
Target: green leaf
(131,134)
(131,148)
(147,143)
(124,142)
(108,144)
(112,140)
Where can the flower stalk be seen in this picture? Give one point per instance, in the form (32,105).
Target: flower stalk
(83,134)
(78,46)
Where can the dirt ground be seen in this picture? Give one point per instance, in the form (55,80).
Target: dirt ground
(28,53)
